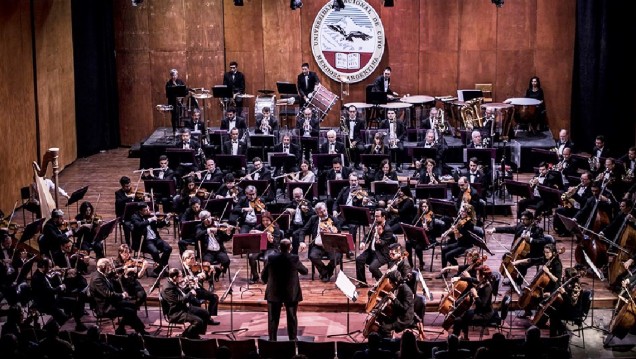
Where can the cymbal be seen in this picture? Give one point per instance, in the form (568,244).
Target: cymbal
(266,92)
(164,108)
(202,95)
(244,95)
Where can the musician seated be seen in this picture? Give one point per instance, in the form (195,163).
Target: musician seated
(234,146)
(161,173)
(474,173)
(274,235)
(180,305)
(596,203)
(378,146)
(190,214)
(304,175)
(431,141)
(307,125)
(459,238)
(196,124)
(54,233)
(332,145)
(402,313)
(629,164)
(259,172)
(88,224)
(568,166)
(145,235)
(13,271)
(429,174)
(198,274)
(573,200)
(431,225)
(285,146)
(572,306)
(473,261)
(563,142)
(619,224)
(384,174)
(374,251)
(300,211)
(127,273)
(480,294)
(401,209)
(266,123)
(337,171)
(210,174)
(229,189)
(211,239)
(319,223)
(409,276)
(231,121)
(469,194)
(545,178)
(68,256)
(245,210)
(187,143)
(612,176)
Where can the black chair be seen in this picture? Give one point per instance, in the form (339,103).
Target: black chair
(278,349)
(125,343)
(348,349)
(162,347)
(172,324)
(587,297)
(105,317)
(199,348)
(317,350)
(498,318)
(239,348)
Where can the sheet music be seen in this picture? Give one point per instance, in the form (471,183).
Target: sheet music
(346,286)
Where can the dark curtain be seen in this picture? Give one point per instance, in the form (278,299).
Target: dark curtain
(603,82)
(96,107)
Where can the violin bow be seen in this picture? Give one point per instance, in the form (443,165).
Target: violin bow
(202,179)
(8,224)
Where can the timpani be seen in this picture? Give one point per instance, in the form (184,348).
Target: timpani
(526,109)
(402,109)
(503,113)
(421,103)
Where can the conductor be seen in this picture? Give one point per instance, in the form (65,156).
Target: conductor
(283,287)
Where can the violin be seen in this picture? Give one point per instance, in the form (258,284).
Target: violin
(304,206)
(257,205)
(360,194)
(201,267)
(328,226)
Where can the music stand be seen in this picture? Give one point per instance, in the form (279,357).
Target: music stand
(600,276)
(231,163)
(543,155)
(224,93)
(104,231)
(335,186)
(418,235)
(430,191)
(358,216)
(76,197)
(551,196)
(247,243)
(443,207)
(262,141)
(325,160)
(349,290)
(372,160)
(282,160)
(480,243)
(260,185)
(181,155)
(309,144)
(160,187)
(337,243)
(572,227)
(384,188)
(422,153)
(376,98)
(212,187)
(176,91)
(230,333)
(216,207)
(31,229)
(310,195)
(519,189)
(286,88)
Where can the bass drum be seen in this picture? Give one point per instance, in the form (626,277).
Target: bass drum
(265,101)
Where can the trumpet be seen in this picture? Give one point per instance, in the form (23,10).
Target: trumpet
(628,176)
(265,126)
(534,181)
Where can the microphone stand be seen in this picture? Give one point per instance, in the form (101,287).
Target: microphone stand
(230,333)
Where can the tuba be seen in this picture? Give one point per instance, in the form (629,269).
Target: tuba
(47,204)
(471,114)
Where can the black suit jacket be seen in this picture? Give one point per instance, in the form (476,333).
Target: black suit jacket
(120,202)
(311,227)
(44,294)
(177,301)
(357,129)
(281,276)
(240,124)
(236,85)
(273,123)
(400,128)
(315,126)
(140,225)
(215,176)
(341,200)
(378,85)
(103,293)
(331,174)
(303,89)
(294,149)
(339,147)
(480,177)
(383,243)
(227,148)
(201,125)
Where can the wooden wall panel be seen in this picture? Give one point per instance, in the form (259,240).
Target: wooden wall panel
(166,25)
(17,118)
(136,109)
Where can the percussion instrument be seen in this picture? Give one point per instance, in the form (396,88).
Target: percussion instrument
(202,95)
(455,107)
(419,102)
(266,92)
(322,100)
(525,108)
(417,99)
(164,108)
(503,113)
(396,105)
(358,105)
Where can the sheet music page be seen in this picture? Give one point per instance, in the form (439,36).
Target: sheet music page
(346,286)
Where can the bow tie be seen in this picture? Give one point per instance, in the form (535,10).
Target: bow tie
(234,141)
(473,173)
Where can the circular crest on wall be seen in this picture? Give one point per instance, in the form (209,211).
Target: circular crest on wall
(348,44)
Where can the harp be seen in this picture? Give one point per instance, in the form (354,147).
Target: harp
(47,204)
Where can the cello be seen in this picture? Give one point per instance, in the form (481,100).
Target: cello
(520,250)
(624,317)
(592,246)
(382,287)
(535,289)
(450,299)
(555,299)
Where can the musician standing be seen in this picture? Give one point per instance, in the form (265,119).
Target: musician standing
(307,125)
(354,126)
(212,243)
(376,254)
(172,99)
(320,223)
(146,238)
(306,82)
(235,81)
(382,83)
(283,287)
(179,297)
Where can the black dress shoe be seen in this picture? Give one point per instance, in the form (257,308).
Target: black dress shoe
(214,322)
(253,280)
(217,275)
(362,285)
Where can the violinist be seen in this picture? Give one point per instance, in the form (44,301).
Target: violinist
(196,274)
(89,224)
(526,231)
(229,189)
(374,251)
(127,273)
(575,199)
(468,194)
(460,239)
(320,223)
(54,232)
(179,298)
(145,235)
(550,265)
(190,214)
(246,209)
(480,293)
(402,314)
(274,235)
(123,195)
(352,195)
(181,201)
(68,256)
(49,296)
(402,209)
(212,240)
(428,174)
(300,211)
(426,220)
(13,270)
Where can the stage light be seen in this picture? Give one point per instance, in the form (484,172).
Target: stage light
(136,2)
(295,4)
(337,5)
(498,3)
(388,3)
(238,2)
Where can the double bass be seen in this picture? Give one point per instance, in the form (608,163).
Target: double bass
(624,317)
(595,248)
(626,240)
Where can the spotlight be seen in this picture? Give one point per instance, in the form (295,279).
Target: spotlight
(136,2)
(295,4)
(388,3)
(337,5)
(498,3)
(238,2)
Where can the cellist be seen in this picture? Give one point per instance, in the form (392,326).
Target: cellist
(401,313)
(550,266)
(527,233)
(481,295)
(624,217)
(570,306)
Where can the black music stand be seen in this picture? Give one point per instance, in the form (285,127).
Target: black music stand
(286,88)
(310,195)
(222,92)
(260,185)
(308,144)
(325,160)
(335,186)
(337,243)
(418,234)
(543,155)
(372,160)
(163,187)
(262,141)
(231,163)
(76,197)
(181,155)
(485,156)
(551,196)
(104,231)
(385,188)
(216,207)
(573,228)
(479,242)
(247,243)
(187,231)
(422,153)
(282,160)
(212,187)
(430,191)
(230,291)
(358,216)
(443,207)
(519,189)
(31,229)
(284,220)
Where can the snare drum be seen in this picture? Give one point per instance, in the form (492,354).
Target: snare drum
(526,109)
